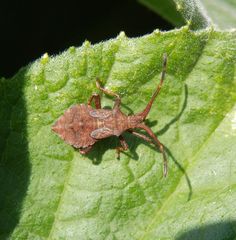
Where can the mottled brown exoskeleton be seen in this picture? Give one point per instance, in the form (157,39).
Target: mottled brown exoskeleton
(82,126)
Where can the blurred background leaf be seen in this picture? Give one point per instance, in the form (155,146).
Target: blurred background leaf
(198,13)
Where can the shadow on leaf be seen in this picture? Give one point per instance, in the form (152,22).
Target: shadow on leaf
(215,231)
(177,117)
(14,162)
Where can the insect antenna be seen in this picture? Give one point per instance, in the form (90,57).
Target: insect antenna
(145,112)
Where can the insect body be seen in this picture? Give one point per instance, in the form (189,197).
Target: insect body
(82,126)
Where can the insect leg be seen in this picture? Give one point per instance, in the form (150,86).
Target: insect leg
(109,92)
(158,143)
(142,136)
(124,146)
(97,100)
(85,150)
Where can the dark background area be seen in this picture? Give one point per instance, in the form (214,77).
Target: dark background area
(31,28)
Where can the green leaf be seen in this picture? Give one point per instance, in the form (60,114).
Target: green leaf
(181,12)
(196,13)
(50,191)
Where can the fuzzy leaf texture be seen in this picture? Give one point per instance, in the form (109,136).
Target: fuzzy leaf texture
(50,191)
(197,14)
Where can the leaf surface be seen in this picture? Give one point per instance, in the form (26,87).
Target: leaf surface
(50,191)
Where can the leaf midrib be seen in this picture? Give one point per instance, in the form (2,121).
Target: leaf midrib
(159,210)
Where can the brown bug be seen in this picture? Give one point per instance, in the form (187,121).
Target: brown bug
(81,125)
